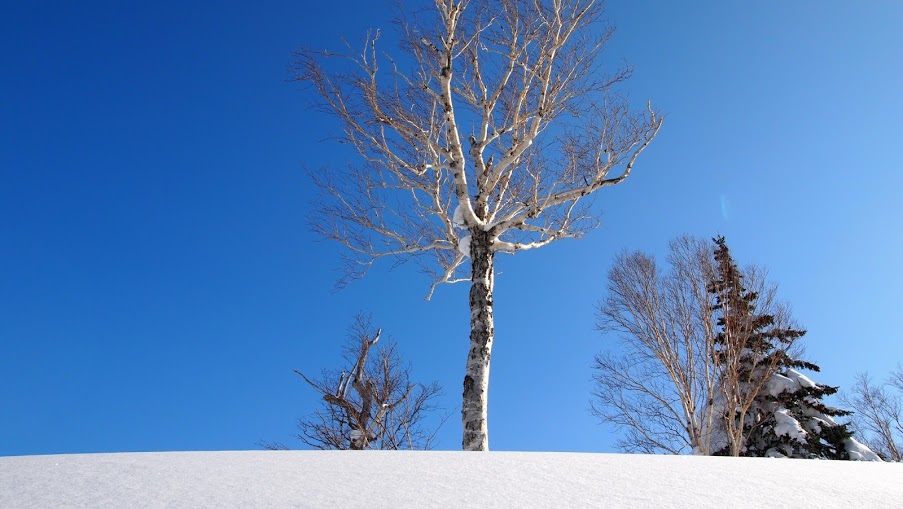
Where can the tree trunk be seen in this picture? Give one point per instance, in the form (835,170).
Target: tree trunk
(482,332)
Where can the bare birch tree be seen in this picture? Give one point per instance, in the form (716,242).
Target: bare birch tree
(878,413)
(677,364)
(485,135)
(660,384)
(371,404)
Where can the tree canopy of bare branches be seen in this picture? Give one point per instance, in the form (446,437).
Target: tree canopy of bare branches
(878,413)
(657,386)
(486,133)
(683,353)
(372,403)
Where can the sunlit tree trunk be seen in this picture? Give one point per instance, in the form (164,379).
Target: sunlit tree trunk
(482,332)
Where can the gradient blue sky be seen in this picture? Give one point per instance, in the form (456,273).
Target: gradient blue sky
(159,282)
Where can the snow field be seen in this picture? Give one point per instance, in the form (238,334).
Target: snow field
(390,479)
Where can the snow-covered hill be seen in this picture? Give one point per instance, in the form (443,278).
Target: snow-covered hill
(375,479)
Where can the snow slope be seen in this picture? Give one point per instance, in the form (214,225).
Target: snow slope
(377,479)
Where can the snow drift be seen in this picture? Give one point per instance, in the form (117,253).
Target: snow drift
(374,479)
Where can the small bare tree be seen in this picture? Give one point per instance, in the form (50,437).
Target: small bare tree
(485,136)
(680,361)
(878,413)
(373,404)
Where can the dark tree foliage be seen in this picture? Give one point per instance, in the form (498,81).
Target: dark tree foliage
(749,348)
(785,415)
(743,332)
(817,434)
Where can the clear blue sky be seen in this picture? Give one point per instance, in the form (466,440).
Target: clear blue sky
(159,282)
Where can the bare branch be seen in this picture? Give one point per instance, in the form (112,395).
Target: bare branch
(372,405)
(486,135)
(548,129)
(878,414)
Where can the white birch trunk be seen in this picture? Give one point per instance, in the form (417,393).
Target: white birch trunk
(474,409)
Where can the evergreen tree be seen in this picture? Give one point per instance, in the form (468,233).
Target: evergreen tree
(749,348)
(796,423)
(769,408)
(750,338)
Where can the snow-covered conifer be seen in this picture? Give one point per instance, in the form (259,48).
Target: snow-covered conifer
(769,407)
(794,422)
(750,347)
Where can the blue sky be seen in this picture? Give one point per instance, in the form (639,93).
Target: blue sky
(160,281)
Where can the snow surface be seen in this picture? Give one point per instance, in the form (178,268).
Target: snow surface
(391,479)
